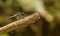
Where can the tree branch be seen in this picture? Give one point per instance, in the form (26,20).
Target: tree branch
(20,23)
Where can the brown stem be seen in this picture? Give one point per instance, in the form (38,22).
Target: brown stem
(20,23)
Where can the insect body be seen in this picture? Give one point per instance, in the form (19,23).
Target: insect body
(18,15)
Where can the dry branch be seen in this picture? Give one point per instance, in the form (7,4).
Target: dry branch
(25,21)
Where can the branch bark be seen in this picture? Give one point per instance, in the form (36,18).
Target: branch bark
(20,23)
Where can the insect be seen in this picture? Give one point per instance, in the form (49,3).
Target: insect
(18,15)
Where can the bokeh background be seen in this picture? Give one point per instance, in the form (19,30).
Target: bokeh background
(10,7)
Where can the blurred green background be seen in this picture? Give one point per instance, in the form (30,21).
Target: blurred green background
(11,7)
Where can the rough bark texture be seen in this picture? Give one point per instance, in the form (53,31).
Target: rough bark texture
(20,23)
